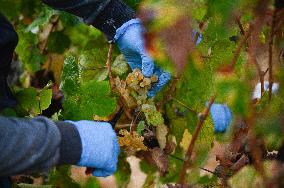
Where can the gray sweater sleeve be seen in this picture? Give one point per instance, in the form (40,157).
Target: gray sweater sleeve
(34,145)
(105,15)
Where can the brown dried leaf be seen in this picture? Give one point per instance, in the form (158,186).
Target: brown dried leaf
(155,157)
(243,161)
(54,63)
(178,41)
(171,145)
(160,159)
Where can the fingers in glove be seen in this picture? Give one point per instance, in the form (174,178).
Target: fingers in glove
(162,81)
(147,65)
(101,173)
(221,116)
(134,61)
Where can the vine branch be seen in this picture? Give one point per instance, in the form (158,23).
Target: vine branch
(169,93)
(238,22)
(46,33)
(270,51)
(108,65)
(180,159)
(196,132)
(241,44)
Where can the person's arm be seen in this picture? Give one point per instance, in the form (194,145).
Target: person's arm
(117,21)
(105,15)
(34,145)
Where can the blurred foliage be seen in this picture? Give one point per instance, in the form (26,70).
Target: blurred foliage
(250,176)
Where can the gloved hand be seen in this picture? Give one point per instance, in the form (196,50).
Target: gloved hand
(130,40)
(221,116)
(199,38)
(257,89)
(100,147)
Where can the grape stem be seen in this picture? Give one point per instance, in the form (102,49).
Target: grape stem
(241,44)
(184,105)
(180,159)
(133,126)
(47,31)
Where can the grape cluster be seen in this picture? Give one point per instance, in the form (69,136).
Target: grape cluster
(135,88)
(134,91)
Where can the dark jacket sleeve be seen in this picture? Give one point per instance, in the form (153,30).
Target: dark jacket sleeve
(35,145)
(105,15)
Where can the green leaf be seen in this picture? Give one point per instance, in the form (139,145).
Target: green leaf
(199,9)
(208,181)
(250,176)
(140,127)
(92,183)
(28,52)
(24,185)
(68,19)
(45,96)
(83,101)
(70,76)
(92,66)
(205,141)
(96,99)
(8,112)
(270,125)
(58,42)
(60,177)
(34,101)
(28,100)
(42,19)
(122,175)
(196,85)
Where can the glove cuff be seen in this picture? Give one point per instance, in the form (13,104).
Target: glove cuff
(121,30)
(115,14)
(70,145)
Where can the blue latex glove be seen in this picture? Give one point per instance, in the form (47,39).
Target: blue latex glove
(222,117)
(100,147)
(130,40)
(199,39)
(257,89)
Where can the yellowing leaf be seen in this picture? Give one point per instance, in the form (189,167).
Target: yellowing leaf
(185,140)
(161,133)
(119,66)
(54,63)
